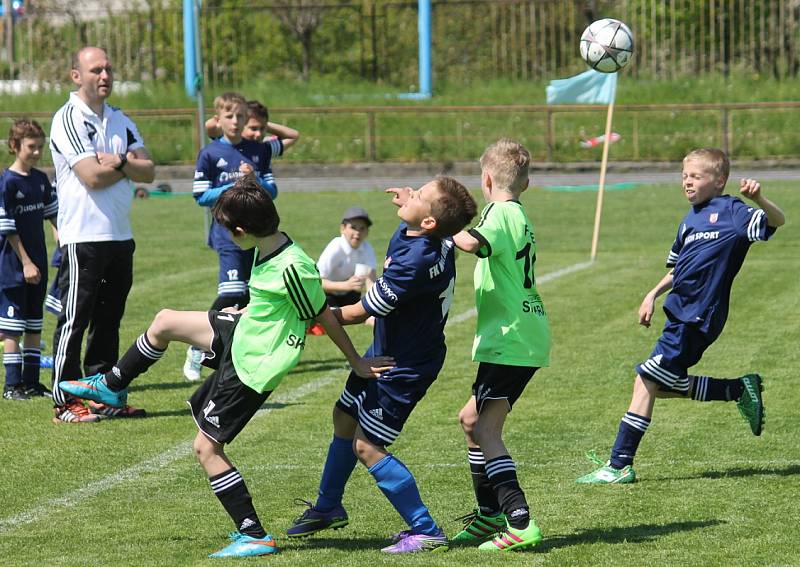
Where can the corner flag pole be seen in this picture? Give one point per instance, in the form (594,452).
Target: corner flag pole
(602,185)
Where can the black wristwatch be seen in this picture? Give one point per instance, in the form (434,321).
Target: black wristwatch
(123,159)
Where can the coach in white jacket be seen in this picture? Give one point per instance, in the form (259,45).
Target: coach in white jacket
(97,152)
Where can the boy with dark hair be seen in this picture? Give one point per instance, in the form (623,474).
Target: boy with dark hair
(250,351)
(410,302)
(26,199)
(512,341)
(708,252)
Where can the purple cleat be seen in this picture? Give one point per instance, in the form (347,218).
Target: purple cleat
(408,542)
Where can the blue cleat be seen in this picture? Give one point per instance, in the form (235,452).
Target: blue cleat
(247,546)
(95,388)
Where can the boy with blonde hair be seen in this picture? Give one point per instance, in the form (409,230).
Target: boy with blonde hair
(219,165)
(711,245)
(512,341)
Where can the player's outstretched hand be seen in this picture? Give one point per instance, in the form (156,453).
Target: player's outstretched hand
(401,195)
(646,310)
(750,188)
(373,367)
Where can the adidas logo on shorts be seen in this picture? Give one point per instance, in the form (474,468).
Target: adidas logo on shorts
(377,412)
(213,420)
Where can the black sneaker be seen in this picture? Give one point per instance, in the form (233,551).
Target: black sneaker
(38,390)
(15,393)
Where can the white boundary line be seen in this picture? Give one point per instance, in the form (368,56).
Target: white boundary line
(183,449)
(179,451)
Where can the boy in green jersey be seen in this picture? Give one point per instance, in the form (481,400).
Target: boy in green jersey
(512,341)
(250,351)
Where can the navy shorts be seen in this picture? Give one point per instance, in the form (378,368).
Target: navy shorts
(22,308)
(223,405)
(381,406)
(235,265)
(500,382)
(680,347)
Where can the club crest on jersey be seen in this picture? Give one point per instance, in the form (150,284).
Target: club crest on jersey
(713,217)
(254,159)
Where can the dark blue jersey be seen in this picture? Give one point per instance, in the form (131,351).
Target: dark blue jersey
(411,299)
(708,252)
(218,169)
(25,202)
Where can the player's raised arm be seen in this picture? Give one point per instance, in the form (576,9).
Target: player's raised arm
(751,189)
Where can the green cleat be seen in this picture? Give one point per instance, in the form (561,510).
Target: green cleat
(511,538)
(479,527)
(606,474)
(750,405)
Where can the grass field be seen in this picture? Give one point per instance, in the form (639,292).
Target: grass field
(661,135)
(130,493)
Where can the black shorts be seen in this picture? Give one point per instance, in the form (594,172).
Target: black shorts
(501,382)
(349,298)
(381,406)
(223,405)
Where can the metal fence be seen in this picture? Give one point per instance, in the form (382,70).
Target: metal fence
(460,133)
(377,40)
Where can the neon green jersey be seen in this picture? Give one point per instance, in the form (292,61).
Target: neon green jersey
(512,323)
(285,292)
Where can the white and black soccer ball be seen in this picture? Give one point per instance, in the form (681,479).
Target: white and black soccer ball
(607,45)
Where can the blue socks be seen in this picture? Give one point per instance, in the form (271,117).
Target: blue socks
(399,486)
(339,465)
(631,430)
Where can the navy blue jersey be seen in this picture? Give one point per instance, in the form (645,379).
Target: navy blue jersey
(708,252)
(25,202)
(411,299)
(218,169)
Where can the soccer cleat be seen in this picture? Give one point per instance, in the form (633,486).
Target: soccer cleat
(312,520)
(95,388)
(606,474)
(38,390)
(512,538)
(108,411)
(74,412)
(243,545)
(478,527)
(15,393)
(412,543)
(192,366)
(750,404)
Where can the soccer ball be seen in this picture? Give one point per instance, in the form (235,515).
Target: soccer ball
(607,45)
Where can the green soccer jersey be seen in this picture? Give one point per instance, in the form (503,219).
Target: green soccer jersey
(285,292)
(512,324)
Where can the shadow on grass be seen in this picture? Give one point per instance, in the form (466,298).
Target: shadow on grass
(345,544)
(167,413)
(628,534)
(790,470)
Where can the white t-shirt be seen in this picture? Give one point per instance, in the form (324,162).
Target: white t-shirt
(91,215)
(338,261)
